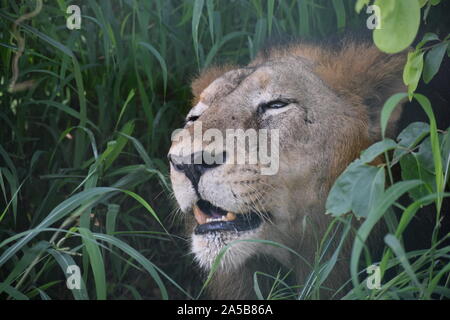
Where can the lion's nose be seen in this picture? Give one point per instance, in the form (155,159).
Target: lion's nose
(195,165)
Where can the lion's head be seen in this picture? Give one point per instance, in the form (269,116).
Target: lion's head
(325,104)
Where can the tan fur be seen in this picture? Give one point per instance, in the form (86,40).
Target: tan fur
(357,72)
(205,78)
(338,96)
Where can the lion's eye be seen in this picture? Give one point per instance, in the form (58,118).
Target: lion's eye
(275,104)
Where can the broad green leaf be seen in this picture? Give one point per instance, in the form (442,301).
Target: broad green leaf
(413,71)
(400,22)
(367,191)
(411,170)
(425,156)
(388,108)
(376,149)
(339,199)
(433,61)
(359,181)
(410,137)
(435,146)
(389,197)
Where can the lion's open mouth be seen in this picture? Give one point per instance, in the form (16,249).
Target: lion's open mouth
(211,218)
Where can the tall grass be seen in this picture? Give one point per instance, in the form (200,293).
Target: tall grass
(83,175)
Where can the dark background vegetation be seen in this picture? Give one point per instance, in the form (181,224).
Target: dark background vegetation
(100,111)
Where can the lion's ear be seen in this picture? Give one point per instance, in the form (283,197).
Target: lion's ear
(363,75)
(206,77)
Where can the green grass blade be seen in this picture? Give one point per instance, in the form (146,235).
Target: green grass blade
(96,262)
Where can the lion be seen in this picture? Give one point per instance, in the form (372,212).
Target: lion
(325,102)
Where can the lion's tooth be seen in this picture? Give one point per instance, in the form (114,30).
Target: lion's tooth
(200,216)
(231,216)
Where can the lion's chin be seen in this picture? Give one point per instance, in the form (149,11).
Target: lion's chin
(228,249)
(221,233)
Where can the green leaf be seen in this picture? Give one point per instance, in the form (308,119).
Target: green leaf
(411,170)
(339,8)
(427,37)
(367,191)
(376,149)
(270,8)
(13,292)
(339,199)
(389,197)
(124,107)
(115,148)
(425,156)
(161,61)
(446,155)
(422,2)
(435,146)
(65,260)
(96,262)
(357,182)
(82,200)
(219,44)
(410,137)
(360,4)
(146,206)
(413,71)
(196,15)
(388,108)
(400,22)
(111,215)
(398,250)
(144,262)
(210,10)
(20,266)
(433,61)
